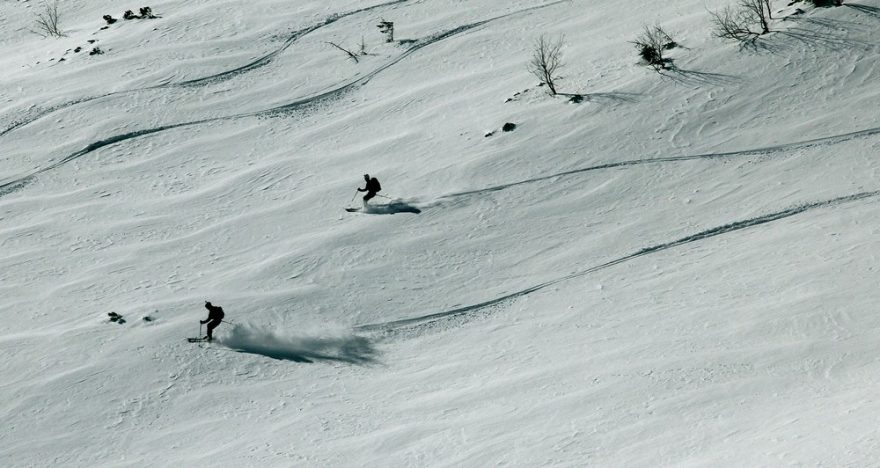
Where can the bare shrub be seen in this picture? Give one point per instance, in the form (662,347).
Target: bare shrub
(547,60)
(730,24)
(651,44)
(737,23)
(49,20)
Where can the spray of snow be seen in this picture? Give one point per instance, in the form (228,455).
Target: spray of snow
(350,348)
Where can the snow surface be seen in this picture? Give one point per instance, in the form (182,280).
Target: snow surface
(679,271)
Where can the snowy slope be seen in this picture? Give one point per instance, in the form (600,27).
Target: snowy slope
(678,271)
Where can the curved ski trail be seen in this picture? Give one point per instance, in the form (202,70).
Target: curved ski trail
(205,80)
(299,105)
(705,234)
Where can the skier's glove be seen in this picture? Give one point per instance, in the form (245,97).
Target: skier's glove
(203,322)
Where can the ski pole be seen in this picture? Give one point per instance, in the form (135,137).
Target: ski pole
(352,198)
(383,196)
(200,329)
(231,323)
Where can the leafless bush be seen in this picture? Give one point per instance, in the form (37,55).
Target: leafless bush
(49,20)
(547,60)
(736,23)
(730,24)
(651,44)
(350,54)
(758,12)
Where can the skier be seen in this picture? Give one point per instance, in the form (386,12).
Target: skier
(215,316)
(371,188)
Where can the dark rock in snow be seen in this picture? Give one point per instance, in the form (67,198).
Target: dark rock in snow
(509,127)
(114,317)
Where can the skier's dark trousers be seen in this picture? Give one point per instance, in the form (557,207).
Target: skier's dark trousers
(371,188)
(215,316)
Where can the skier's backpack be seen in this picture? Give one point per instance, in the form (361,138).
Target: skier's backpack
(376,187)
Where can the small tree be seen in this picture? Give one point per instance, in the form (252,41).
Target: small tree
(755,11)
(49,20)
(547,60)
(651,44)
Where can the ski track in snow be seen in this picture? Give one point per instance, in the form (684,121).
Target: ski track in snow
(282,110)
(868,10)
(427,320)
(824,141)
(210,79)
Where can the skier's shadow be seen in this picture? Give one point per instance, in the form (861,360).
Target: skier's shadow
(392,208)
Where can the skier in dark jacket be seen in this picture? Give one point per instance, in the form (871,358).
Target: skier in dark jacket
(371,188)
(215,316)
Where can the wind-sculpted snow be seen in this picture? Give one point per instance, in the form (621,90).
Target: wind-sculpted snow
(349,349)
(18,184)
(37,114)
(713,232)
(831,140)
(282,110)
(206,80)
